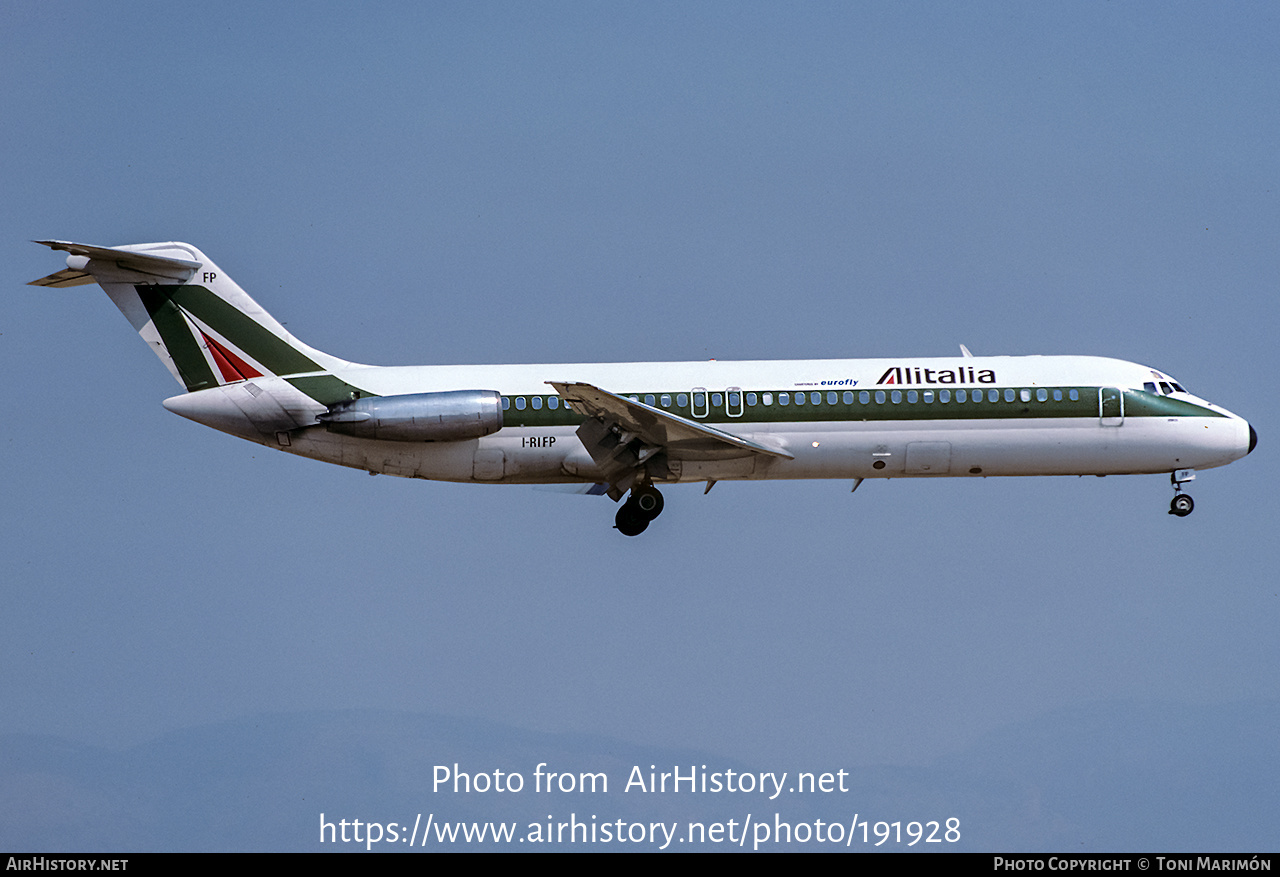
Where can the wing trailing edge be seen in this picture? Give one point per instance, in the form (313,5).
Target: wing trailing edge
(658,428)
(632,442)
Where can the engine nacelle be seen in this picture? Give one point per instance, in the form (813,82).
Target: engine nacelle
(418,417)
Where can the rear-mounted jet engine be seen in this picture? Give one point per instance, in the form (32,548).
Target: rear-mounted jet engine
(418,417)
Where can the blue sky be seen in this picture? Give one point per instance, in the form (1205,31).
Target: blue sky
(466,183)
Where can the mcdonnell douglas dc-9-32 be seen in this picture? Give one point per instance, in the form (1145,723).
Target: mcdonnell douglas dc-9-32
(622,429)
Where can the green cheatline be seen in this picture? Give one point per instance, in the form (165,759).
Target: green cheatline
(327,389)
(1136,404)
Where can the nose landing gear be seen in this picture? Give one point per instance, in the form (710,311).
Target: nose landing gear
(1182,502)
(644,504)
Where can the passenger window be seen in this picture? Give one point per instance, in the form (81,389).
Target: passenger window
(1074,395)
(962,395)
(864,397)
(699,400)
(1042,395)
(1024,395)
(648,398)
(927,395)
(717,399)
(751,399)
(506,403)
(848,397)
(896,396)
(1057,395)
(666,400)
(994,395)
(682,399)
(912,396)
(783,399)
(735,400)
(553,402)
(768,398)
(879,397)
(815,398)
(536,401)
(832,398)
(1009,395)
(519,403)
(944,396)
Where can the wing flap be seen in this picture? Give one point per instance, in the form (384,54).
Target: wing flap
(656,428)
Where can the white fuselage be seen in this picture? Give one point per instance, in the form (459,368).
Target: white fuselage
(935,428)
(620,428)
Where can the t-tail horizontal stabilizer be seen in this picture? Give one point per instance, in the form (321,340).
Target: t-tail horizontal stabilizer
(152,268)
(205,329)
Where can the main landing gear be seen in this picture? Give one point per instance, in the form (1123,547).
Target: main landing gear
(644,504)
(1182,502)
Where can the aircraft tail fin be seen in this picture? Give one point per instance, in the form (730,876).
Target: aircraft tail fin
(206,329)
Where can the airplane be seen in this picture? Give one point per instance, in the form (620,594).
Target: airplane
(621,429)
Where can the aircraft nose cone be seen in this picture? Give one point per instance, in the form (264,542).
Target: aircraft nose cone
(1253,440)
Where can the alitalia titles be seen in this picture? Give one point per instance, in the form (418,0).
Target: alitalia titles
(963,375)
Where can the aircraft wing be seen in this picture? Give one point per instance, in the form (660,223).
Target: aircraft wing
(621,433)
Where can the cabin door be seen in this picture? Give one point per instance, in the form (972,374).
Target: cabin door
(1110,406)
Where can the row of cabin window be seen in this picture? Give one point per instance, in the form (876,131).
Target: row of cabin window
(535,402)
(832,398)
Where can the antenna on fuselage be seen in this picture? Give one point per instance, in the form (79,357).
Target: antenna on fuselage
(965,351)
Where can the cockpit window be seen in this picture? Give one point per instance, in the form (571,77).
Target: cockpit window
(1164,388)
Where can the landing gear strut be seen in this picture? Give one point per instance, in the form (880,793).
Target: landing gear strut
(1182,502)
(644,504)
